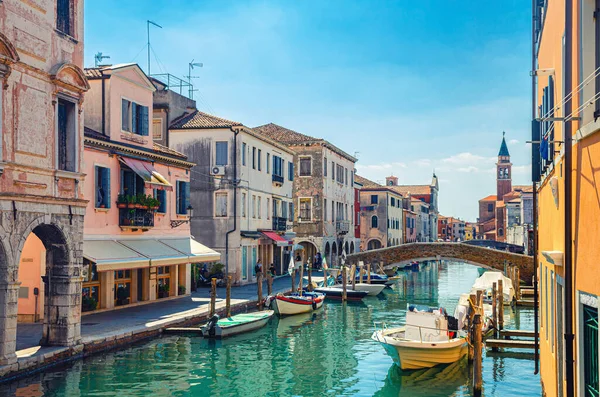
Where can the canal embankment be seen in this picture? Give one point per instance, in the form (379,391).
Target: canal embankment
(106,331)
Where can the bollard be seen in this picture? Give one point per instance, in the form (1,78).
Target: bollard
(213,296)
(360,274)
(477,360)
(228,298)
(500,305)
(494,310)
(369,273)
(344,283)
(310,286)
(259,283)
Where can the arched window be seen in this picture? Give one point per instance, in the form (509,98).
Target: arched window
(374,221)
(500,232)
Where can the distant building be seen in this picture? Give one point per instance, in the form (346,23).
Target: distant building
(357,222)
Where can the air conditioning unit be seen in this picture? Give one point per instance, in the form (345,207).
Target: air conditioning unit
(217,170)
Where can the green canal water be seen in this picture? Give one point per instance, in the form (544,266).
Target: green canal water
(328,353)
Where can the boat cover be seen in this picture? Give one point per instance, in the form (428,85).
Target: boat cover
(488,278)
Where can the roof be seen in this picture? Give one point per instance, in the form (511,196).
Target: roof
(503,148)
(92,73)
(522,188)
(367,183)
(163,149)
(198,119)
(412,189)
(291,138)
(491,197)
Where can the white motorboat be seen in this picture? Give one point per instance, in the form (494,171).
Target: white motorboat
(462,310)
(370,289)
(240,323)
(424,342)
(294,304)
(487,279)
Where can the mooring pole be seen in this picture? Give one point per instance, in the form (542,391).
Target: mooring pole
(344,283)
(472,310)
(301,279)
(213,296)
(477,360)
(269,284)
(353,275)
(500,306)
(369,273)
(495,310)
(228,298)
(259,280)
(310,286)
(294,280)
(360,272)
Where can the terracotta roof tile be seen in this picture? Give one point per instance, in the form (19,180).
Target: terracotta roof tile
(366,182)
(91,73)
(412,189)
(284,135)
(163,149)
(198,119)
(491,197)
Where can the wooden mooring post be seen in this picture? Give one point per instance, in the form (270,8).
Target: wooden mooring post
(477,359)
(472,310)
(259,282)
(353,275)
(213,296)
(517,283)
(360,272)
(294,280)
(324,276)
(228,298)
(269,283)
(301,281)
(500,305)
(344,283)
(494,310)
(369,273)
(310,286)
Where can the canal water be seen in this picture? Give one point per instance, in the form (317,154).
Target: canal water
(329,353)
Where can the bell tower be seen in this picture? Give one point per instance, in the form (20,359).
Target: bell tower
(503,171)
(391,181)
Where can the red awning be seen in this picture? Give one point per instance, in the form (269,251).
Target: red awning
(279,240)
(146,171)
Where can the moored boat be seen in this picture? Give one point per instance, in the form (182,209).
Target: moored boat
(424,342)
(486,280)
(240,323)
(336,293)
(294,304)
(370,289)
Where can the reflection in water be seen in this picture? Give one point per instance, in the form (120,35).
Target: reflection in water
(328,352)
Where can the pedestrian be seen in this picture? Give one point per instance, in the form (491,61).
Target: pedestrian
(272,270)
(258,269)
(318,261)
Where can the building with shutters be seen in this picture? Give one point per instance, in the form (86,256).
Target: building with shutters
(566,172)
(323,194)
(242,188)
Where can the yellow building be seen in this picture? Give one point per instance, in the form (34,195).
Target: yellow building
(567,46)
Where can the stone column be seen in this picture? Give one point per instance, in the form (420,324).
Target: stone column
(145,284)
(107,289)
(173,280)
(9,294)
(134,286)
(152,284)
(187,277)
(62,315)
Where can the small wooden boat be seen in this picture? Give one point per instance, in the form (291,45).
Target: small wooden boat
(370,289)
(240,323)
(294,304)
(317,297)
(424,342)
(336,293)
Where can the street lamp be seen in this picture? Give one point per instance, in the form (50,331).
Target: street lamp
(179,222)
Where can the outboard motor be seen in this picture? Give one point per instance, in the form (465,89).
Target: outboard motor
(212,323)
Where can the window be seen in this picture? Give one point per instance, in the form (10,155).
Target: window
(163,281)
(490,207)
(305,209)
(290,171)
(325,166)
(500,232)
(392,201)
(67,135)
(221,205)
(134,117)
(291,212)
(253,206)
(268,163)
(374,222)
(305,166)
(278,167)
(268,209)
(244,153)
(161,196)
(325,210)
(332,210)
(253,158)
(346,176)
(259,159)
(374,199)
(244,263)
(90,292)
(590,351)
(102,187)
(259,207)
(122,287)
(64,16)
(332,171)
(183,197)
(352,178)
(157,134)
(221,153)
(243,205)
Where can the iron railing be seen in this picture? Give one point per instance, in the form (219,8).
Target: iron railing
(136,217)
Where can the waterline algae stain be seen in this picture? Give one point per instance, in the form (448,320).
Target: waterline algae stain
(329,352)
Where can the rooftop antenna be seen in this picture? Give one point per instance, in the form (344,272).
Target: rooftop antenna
(191,66)
(356,154)
(98,58)
(148,23)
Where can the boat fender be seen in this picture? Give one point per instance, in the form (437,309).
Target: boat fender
(314,304)
(212,323)
(268,301)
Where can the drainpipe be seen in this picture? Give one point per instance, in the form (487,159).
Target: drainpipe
(103,104)
(536,325)
(235,134)
(568,263)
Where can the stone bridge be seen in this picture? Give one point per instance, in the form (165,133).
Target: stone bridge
(478,256)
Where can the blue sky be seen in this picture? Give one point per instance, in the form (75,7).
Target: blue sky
(412,86)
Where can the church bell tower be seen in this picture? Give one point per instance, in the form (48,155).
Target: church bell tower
(503,171)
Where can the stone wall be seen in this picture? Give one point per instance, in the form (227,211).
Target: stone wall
(479,256)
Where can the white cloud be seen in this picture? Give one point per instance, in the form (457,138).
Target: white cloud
(521,169)
(381,166)
(423,163)
(513,141)
(468,169)
(467,158)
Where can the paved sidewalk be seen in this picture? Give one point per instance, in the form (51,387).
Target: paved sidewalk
(160,313)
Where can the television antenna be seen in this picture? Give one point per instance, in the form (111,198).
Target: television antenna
(191,66)
(99,57)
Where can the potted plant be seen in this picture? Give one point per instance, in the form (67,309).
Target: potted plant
(131,218)
(217,269)
(140,200)
(122,296)
(130,201)
(152,203)
(88,304)
(181,290)
(121,201)
(163,291)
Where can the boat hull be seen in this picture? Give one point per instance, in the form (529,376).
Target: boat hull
(370,289)
(288,306)
(252,324)
(336,293)
(409,355)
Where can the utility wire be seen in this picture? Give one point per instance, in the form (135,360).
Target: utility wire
(581,85)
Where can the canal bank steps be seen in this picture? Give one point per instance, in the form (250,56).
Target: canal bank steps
(39,358)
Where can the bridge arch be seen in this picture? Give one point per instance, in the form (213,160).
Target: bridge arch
(475,255)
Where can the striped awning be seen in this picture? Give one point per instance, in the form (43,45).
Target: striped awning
(146,171)
(110,255)
(197,252)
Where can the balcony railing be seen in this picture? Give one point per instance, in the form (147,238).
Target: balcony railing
(136,218)
(277,179)
(342,227)
(279,224)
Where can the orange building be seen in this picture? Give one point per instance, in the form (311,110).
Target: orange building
(566,166)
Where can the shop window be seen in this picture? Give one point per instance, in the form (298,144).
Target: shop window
(90,292)
(163,281)
(122,290)
(102,187)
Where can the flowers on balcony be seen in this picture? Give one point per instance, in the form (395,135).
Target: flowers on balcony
(139,201)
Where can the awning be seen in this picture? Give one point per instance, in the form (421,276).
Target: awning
(197,252)
(250,234)
(146,171)
(159,254)
(110,255)
(280,241)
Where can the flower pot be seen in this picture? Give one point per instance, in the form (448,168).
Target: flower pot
(138,206)
(121,205)
(154,208)
(130,205)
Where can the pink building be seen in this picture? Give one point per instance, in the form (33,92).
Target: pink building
(137,244)
(42,90)
(410,226)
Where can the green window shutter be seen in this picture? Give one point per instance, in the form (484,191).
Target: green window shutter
(134,118)
(106,186)
(590,351)
(97,184)
(187,197)
(144,120)
(178,197)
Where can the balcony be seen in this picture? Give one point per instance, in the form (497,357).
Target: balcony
(136,218)
(342,227)
(279,224)
(277,180)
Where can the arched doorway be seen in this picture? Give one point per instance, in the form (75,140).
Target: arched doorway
(373,244)
(308,252)
(334,254)
(352,247)
(327,253)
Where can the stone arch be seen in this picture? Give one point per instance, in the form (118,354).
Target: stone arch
(346,247)
(327,252)
(309,250)
(373,244)
(8,52)
(70,76)
(352,247)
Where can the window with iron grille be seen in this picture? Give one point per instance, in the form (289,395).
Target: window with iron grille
(590,351)
(305,209)
(67,135)
(64,16)
(305,166)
